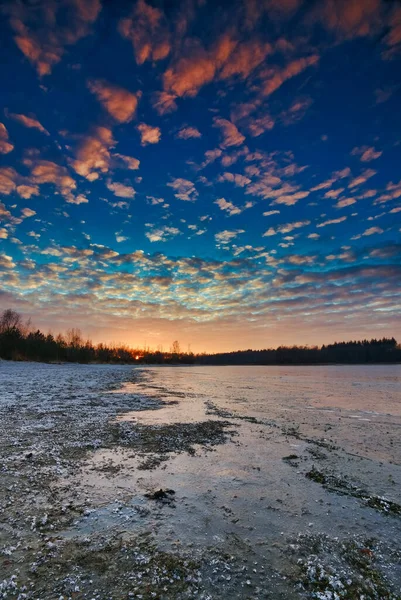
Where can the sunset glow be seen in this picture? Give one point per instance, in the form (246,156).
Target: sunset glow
(225,174)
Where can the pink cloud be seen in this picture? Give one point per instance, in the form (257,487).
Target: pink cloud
(149,134)
(38,35)
(5,146)
(30,122)
(148,32)
(117,101)
(293,69)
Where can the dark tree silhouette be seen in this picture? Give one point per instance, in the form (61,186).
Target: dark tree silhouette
(19,342)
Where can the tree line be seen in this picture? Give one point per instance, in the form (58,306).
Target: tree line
(20,341)
(384,350)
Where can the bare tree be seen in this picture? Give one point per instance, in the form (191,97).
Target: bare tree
(74,338)
(10,319)
(175,348)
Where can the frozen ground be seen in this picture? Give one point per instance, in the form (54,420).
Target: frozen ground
(276,482)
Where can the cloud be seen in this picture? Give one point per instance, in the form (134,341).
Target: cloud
(278,77)
(349,18)
(286,228)
(46,171)
(149,134)
(230,134)
(8,177)
(40,172)
(148,32)
(6,261)
(290,199)
(188,132)
(335,177)
(27,212)
(332,222)
(366,153)
(162,234)
(129,162)
(92,155)
(80,199)
(226,58)
(185,189)
(38,33)
(120,190)
(372,231)
(164,103)
(258,126)
(154,201)
(228,206)
(393,38)
(3,233)
(5,214)
(296,112)
(235,178)
(271,212)
(189,74)
(393,192)
(334,193)
(197,66)
(210,157)
(5,146)
(226,236)
(383,94)
(245,58)
(345,202)
(117,101)
(362,178)
(121,238)
(26,191)
(30,122)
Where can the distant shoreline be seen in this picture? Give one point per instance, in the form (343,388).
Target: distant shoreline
(182,364)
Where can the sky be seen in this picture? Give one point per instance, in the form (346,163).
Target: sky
(222,173)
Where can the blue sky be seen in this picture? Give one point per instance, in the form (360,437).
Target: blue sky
(222,173)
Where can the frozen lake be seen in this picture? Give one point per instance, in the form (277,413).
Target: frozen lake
(286,481)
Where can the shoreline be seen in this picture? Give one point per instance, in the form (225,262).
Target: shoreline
(127,483)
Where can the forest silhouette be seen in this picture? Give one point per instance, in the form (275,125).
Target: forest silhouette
(19,341)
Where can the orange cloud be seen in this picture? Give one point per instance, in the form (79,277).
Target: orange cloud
(184,189)
(226,58)
(189,74)
(291,70)
(8,177)
(129,162)
(393,38)
(231,135)
(349,18)
(117,101)
(188,132)
(362,178)
(164,103)
(149,134)
(28,212)
(5,146)
(26,191)
(244,59)
(45,171)
(366,153)
(30,122)
(259,125)
(39,37)
(93,154)
(148,32)
(121,190)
